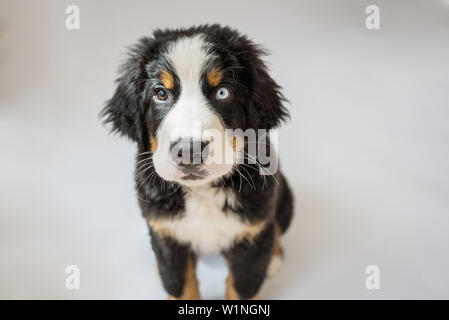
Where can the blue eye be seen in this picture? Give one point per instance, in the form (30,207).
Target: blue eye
(222,93)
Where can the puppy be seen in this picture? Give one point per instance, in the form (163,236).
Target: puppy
(196,102)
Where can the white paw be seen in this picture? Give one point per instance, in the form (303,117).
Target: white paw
(275,265)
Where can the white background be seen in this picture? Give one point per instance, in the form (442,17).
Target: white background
(366,150)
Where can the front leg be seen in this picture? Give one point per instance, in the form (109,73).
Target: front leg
(176,264)
(248,261)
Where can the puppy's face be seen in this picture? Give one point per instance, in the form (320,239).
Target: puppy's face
(192,94)
(182,95)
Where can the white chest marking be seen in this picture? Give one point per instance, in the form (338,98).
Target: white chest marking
(204,225)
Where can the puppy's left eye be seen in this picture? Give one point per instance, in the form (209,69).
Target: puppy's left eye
(222,93)
(160,95)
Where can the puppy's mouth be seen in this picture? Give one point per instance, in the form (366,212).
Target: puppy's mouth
(192,172)
(201,175)
(192,177)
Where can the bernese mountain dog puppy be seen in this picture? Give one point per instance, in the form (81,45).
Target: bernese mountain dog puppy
(195,101)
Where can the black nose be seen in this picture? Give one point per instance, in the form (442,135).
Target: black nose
(189,153)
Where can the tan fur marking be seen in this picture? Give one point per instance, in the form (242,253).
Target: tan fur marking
(250,232)
(191,289)
(153,144)
(231,293)
(214,77)
(167,79)
(160,228)
(277,249)
(237,143)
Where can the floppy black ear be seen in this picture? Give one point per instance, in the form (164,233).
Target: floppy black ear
(266,108)
(267,99)
(125,110)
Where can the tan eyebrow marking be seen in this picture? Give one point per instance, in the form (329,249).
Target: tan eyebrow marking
(167,79)
(153,144)
(214,77)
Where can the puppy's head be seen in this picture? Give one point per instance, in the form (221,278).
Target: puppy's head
(183,94)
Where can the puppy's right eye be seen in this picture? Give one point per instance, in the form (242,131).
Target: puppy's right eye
(160,95)
(222,93)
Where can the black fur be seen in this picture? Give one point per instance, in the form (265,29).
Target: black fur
(249,262)
(257,103)
(171,259)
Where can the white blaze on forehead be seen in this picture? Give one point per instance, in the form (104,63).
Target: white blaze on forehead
(189,57)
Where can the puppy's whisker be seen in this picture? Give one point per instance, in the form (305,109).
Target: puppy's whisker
(263,169)
(258,170)
(145,159)
(143,168)
(254,185)
(154,179)
(243,176)
(143,182)
(147,152)
(141,177)
(262,176)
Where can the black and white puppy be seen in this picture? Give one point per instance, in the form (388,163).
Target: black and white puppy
(185,97)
